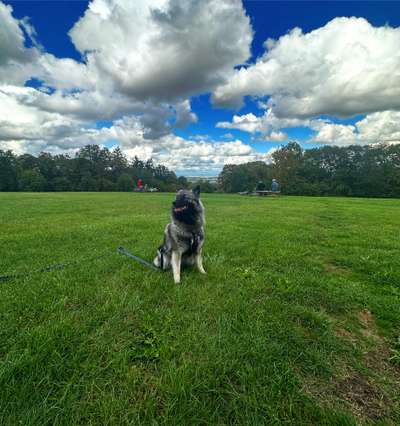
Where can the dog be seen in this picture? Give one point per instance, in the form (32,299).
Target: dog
(184,236)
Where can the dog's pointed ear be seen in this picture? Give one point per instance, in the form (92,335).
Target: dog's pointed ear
(196,191)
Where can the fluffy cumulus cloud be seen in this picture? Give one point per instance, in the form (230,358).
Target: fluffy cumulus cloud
(277,136)
(20,121)
(11,38)
(380,127)
(29,129)
(332,133)
(141,62)
(163,50)
(15,59)
(374,128)
(377,127)
(178,153)
(267,124)
(345,68)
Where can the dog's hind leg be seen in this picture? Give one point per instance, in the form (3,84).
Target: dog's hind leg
(176,265)
(199,263)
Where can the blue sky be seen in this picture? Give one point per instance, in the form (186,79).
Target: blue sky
(188,121)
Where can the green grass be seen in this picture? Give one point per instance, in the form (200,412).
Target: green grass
(296,322)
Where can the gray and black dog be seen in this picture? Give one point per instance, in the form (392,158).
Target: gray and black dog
(184,236)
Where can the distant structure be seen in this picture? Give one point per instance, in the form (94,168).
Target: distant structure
(194,179)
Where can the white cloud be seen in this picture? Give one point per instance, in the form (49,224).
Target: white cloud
(248,123)
(374,128)
(202,137)
(140,58)
(345,68)
(141,62)
(163,50)
(15,58)
(267,125)
(178,153)
(20,121)
(332,133)
(380,127)
(184,115)
(65,73)
(11,38)
(277,136)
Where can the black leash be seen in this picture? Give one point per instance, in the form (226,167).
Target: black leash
(58,266)
(47,268)
(138,259)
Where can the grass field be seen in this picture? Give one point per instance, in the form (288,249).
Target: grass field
(296,322)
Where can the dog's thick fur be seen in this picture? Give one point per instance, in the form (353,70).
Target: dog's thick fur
(184,236)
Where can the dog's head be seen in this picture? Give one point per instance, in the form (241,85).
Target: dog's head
(187,206)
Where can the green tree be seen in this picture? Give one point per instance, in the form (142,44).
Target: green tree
(183,182)
(32,181)
(288,168)
(243,177)
(118,163)
(8,171)
(206,186)
(124,183)
(61,184)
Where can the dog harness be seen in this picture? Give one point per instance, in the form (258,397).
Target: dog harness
(161,251)
(194,243)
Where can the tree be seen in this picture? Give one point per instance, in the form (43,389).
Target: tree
(32,181)
(288,166)
(118,163)
(8,171)
(183,182)
(243,177)
(124,183)
(225,178)
(88,183)
(61,184)
(28,162)
(48,169)
(365,171)
(206,186)
(106,185)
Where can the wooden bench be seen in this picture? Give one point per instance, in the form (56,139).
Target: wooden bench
(261,193)
(266,193)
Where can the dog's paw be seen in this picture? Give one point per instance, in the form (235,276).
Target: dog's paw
(201,269)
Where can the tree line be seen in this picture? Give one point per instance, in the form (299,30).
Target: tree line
(360,171)
(91,169)
(364,171)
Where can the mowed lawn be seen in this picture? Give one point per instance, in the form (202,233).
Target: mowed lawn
(296,322)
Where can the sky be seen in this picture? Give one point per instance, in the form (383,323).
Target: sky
(197,84)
